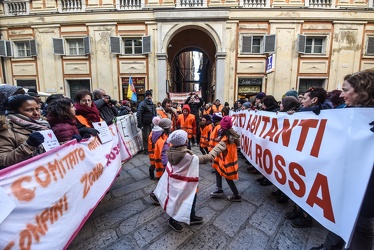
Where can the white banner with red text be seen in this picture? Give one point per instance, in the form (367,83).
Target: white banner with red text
(132,136)
(322,162)
(50,196)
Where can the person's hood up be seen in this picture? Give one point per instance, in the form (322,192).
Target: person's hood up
(186,106)
(176,154)
(156,135)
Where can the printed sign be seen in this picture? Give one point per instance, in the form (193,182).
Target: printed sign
(105,134)
(50,140)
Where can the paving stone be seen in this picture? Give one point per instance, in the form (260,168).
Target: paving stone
(150,231)
(131,187)
(120,214)
(171,240)
(85,233)
(137,174)
(207,238)
(256,239)
(138,162)
(267,218)
(99,241)
(129,225)
(114,203)
(126,243)
(289,237)
(231,219)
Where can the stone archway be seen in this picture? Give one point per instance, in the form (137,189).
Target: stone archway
(192,37)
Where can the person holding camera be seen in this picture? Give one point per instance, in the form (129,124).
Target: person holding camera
(105,105)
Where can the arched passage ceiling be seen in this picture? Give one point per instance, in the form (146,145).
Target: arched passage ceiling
(191,38)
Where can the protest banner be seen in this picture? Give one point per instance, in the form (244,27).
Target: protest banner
(132,136)
(181,97)
(52,195)
(322,162)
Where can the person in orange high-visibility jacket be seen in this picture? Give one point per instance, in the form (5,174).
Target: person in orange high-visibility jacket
(187,122)
(217,106)
(228,161)
(216,119)
(206,129)
(208,109)
(159,145)
(167,111)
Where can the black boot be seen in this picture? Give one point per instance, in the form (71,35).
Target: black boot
(151,172)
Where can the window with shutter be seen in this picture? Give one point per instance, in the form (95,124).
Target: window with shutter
(301,40)
(58,46)
(9,48)
(33,48)
(115,45)
(146,44)
(86,42)
(3,48)
(269,44)
(370,46)
(247,44)
(22,49)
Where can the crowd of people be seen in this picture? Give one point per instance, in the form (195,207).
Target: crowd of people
(169,132)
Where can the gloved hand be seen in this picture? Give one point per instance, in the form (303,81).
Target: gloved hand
(35,139)
(87,132)
(77,137)
(140,126)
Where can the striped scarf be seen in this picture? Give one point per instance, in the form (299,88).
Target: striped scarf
(28,123)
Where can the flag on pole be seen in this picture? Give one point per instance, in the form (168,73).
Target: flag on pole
(131,92)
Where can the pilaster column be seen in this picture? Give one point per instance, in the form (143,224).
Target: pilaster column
(161,76)
(220,77)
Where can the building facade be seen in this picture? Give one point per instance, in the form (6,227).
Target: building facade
(248,45)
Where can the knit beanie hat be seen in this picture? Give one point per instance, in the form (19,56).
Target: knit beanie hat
(292,93)
(217,117)
(260,95)
(207,117)
(178,138)
(247,105)
(148,92)
(165,123)
(226,122)
(156,121)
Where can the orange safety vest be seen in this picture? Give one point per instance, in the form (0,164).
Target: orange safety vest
(187,124)
(217,109)
(205,135)
(213,143)
(157,155)
(151,150)
(207,111)
(83,120)
(228,161)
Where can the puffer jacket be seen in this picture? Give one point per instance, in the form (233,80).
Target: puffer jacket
(13,146)
(64,131)
(146,112)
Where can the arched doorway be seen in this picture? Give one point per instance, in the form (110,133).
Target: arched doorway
(191,59)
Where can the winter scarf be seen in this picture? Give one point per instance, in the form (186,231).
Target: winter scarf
(91,113)
(28,123)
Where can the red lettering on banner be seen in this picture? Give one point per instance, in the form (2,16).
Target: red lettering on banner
(33,232)
(89,179)
(286,132)
(246,144)
(95,143)
(249,123)
(113,154)
(43,176)
(305,126)
(318,140)
(321,183)
(280,175)
(268,161)
(273,129)
(259,155)
(265,120)
(300,191)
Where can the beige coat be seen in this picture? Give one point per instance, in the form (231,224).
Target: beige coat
(13,146)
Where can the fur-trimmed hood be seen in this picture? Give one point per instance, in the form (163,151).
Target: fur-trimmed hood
(3,123)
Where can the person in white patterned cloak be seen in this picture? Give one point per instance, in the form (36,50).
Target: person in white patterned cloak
(176,190)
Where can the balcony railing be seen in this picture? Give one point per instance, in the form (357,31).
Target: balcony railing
(191,3)
(254,3)
(320,3)
(129,4)
(17,8)
(71,6)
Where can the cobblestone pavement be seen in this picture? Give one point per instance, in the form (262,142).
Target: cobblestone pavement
(126,218)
